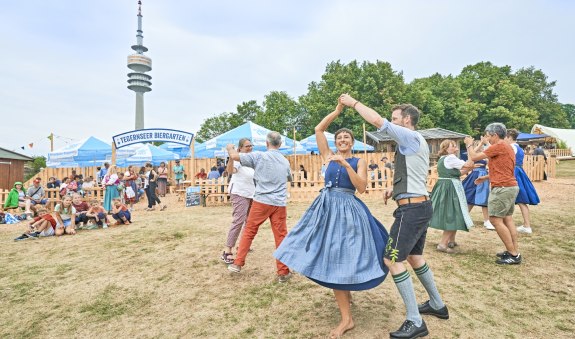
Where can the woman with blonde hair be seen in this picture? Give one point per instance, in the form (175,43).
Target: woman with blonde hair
(448,197)
(110,184)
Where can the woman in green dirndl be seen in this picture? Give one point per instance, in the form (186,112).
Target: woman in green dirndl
(448,197)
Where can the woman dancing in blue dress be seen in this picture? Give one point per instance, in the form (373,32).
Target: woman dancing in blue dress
(338,243)
(527,193)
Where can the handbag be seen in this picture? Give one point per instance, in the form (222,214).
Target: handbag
(130,192)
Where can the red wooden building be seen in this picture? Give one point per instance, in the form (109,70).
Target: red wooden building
(11,168)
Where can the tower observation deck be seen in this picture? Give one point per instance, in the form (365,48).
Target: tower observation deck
(138,80)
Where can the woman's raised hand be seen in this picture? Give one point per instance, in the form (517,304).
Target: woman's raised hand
(347,100)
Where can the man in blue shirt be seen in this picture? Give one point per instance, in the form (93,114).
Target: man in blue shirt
(414,210)
(272,172)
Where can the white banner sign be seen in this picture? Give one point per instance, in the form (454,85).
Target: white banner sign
(153,134)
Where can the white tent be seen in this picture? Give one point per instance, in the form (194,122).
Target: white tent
(565,135)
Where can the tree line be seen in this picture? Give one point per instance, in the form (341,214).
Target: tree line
(465,103)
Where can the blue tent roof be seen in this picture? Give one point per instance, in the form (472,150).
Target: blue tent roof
(148,153)
(256,133)
(310,143)
(527,136)
(87,152)
(179,149)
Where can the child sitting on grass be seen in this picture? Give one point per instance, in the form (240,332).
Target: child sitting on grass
(96,214)
(120,212)
(66,217)
(44,225)
(81,208)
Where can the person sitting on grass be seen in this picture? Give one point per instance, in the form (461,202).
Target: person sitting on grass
(66,217)
(43,225)
(81,208)
(17,200)
(64,187)
(96,215)
(36,193)
(120,212)
(88,186)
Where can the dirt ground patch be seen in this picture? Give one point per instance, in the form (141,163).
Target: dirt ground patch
(161,277)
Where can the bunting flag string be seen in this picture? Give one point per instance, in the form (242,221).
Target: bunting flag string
(50,137)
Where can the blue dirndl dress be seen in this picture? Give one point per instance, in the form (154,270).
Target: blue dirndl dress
(476,195)
(337,243)
(527,193)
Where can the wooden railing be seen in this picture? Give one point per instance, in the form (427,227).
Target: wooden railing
(53,195)
(560,152)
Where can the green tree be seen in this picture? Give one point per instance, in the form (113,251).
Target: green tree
(542,98)
(569,110)
(35,166)
(443,103)
(499,95)
(376,85)
(281,113)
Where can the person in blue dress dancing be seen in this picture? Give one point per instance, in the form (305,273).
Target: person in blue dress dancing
(338,243)
(478,194)
(527,193)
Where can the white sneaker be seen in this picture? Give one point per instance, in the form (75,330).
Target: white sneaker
(524,230)
(488,225)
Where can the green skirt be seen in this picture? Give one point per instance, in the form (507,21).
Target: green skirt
(449,206)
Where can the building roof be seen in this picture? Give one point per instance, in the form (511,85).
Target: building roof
(431,133)
(6,154)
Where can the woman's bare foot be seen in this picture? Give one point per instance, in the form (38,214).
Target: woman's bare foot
(343,327)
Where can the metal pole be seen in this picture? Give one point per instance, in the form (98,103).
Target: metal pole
(364,144)
(294,154)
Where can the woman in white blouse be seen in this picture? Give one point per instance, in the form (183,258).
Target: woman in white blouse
(241,189)
(110,182)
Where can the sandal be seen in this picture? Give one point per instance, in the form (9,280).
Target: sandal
(226,258)
(445,249)
(452,244)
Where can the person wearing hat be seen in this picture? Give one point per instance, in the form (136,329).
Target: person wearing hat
(36,193)
(17,198)
(178,174)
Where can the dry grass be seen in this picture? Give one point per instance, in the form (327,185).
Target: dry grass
(161,277)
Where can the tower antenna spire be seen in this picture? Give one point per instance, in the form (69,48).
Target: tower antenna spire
(140,64)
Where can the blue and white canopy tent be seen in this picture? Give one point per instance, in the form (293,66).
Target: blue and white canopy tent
(215,147)
(147,153)
(85,153)
(528,137)
(310,143)
(179,149)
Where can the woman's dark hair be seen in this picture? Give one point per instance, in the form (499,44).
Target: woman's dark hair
(344,130)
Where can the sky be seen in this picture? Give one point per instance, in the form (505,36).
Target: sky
(63,62)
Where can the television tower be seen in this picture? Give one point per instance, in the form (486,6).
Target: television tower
(138,80)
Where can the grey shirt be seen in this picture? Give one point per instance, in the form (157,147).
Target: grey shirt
(35,192)
(271,174)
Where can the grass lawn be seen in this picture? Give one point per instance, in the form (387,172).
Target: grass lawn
(161,277)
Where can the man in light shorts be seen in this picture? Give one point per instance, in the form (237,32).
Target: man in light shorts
(504,189)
